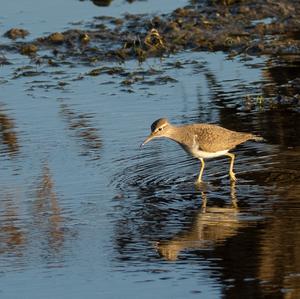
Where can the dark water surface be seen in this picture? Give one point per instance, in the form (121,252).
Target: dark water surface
(84,212)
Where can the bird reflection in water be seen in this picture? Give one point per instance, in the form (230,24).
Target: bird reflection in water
(211,225)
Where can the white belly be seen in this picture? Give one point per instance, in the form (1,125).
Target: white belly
(201,154)
(197,153)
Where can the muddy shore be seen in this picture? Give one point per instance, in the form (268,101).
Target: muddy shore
(239,28)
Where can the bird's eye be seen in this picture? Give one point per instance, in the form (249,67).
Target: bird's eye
(159,129)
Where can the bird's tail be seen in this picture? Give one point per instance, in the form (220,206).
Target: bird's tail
(257,138)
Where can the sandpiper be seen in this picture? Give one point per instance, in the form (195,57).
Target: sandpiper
(202,141)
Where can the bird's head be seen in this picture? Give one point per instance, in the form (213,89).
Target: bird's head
(158,129)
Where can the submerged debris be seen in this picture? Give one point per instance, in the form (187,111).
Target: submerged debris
(28,49)
(105,70)
(15,33)
(56,38)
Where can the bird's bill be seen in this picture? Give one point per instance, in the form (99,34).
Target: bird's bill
(149,138)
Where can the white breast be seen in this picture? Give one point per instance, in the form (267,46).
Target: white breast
(202,154)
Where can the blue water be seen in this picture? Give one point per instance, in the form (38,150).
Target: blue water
(85,212)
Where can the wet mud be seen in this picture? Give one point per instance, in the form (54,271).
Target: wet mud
(239,28)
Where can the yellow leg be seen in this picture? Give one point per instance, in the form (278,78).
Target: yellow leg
(233,194)
(199,180)
(231,173)
(204,201)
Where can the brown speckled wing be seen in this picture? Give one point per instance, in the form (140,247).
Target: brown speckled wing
(212,138)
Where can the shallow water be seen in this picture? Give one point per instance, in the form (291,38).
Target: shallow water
(46,17)
(85,212)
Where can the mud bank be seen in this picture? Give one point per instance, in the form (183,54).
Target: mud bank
(239,28)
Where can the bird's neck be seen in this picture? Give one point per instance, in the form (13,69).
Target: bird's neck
(176,134)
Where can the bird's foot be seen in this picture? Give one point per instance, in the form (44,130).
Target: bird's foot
(198,182)
(200,185)
(232,176)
